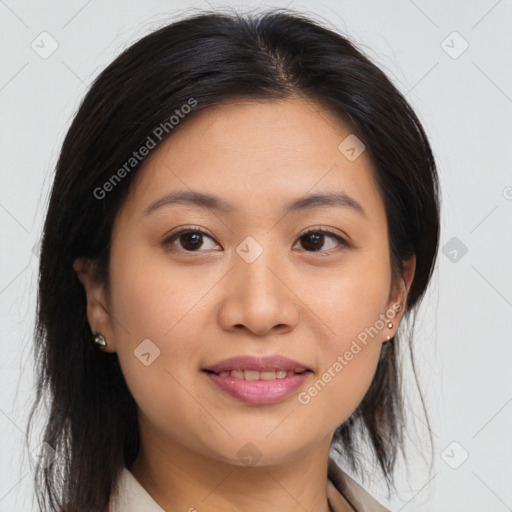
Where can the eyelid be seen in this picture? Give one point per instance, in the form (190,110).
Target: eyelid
(322,229)
(186,228)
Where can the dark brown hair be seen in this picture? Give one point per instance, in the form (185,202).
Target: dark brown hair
(213,58)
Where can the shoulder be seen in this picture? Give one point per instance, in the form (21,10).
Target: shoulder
(353,492)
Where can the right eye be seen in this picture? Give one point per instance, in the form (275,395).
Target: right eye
(190,240)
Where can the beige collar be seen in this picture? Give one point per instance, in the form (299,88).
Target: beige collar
(342,490)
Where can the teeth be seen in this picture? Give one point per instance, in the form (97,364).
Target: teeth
(251,375)
(267,375)
(255,375)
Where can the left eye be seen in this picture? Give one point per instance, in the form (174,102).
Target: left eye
(191,240)
(315,238)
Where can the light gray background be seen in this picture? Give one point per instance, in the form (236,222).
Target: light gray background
(464,100)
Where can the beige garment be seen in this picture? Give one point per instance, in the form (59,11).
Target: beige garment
(341,488)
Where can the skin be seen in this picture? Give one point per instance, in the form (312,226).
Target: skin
(204,305)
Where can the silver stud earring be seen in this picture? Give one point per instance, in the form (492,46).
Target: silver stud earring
(389,326)
(100,341)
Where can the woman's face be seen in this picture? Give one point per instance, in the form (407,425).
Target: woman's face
(251,283)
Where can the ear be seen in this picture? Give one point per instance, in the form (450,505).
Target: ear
(100,320)
(396,305)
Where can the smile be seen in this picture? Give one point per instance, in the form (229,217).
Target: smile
(256,375)
(256,387)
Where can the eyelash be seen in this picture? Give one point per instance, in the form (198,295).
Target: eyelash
(321,231)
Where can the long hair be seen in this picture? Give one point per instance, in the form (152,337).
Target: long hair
(213,58)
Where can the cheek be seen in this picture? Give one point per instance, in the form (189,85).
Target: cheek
(349,375)
(348,363)
(350,304)
(157,302)
(153,298)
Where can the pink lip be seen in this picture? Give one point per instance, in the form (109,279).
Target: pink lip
(261,364)
(259,391)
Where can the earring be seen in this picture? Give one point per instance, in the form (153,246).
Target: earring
(100,341)
(389,326)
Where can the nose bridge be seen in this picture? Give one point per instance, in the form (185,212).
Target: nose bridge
(256,266)
(257,296)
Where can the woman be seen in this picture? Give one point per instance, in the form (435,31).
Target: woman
(244,211)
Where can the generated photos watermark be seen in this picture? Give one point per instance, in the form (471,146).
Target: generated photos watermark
(343,360)
(151,141)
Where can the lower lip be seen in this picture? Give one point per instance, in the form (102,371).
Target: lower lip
(259,391)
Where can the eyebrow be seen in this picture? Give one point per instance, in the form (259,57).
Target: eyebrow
(330,199)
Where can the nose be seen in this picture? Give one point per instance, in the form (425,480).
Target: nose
(258,297)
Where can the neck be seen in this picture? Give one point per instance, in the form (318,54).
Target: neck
(180,479)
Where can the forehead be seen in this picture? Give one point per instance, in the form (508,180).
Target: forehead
(258,154)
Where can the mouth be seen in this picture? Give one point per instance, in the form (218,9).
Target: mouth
(256,379)
(252,375)
(258,388)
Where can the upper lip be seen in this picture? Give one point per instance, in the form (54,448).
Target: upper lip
(261,364)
